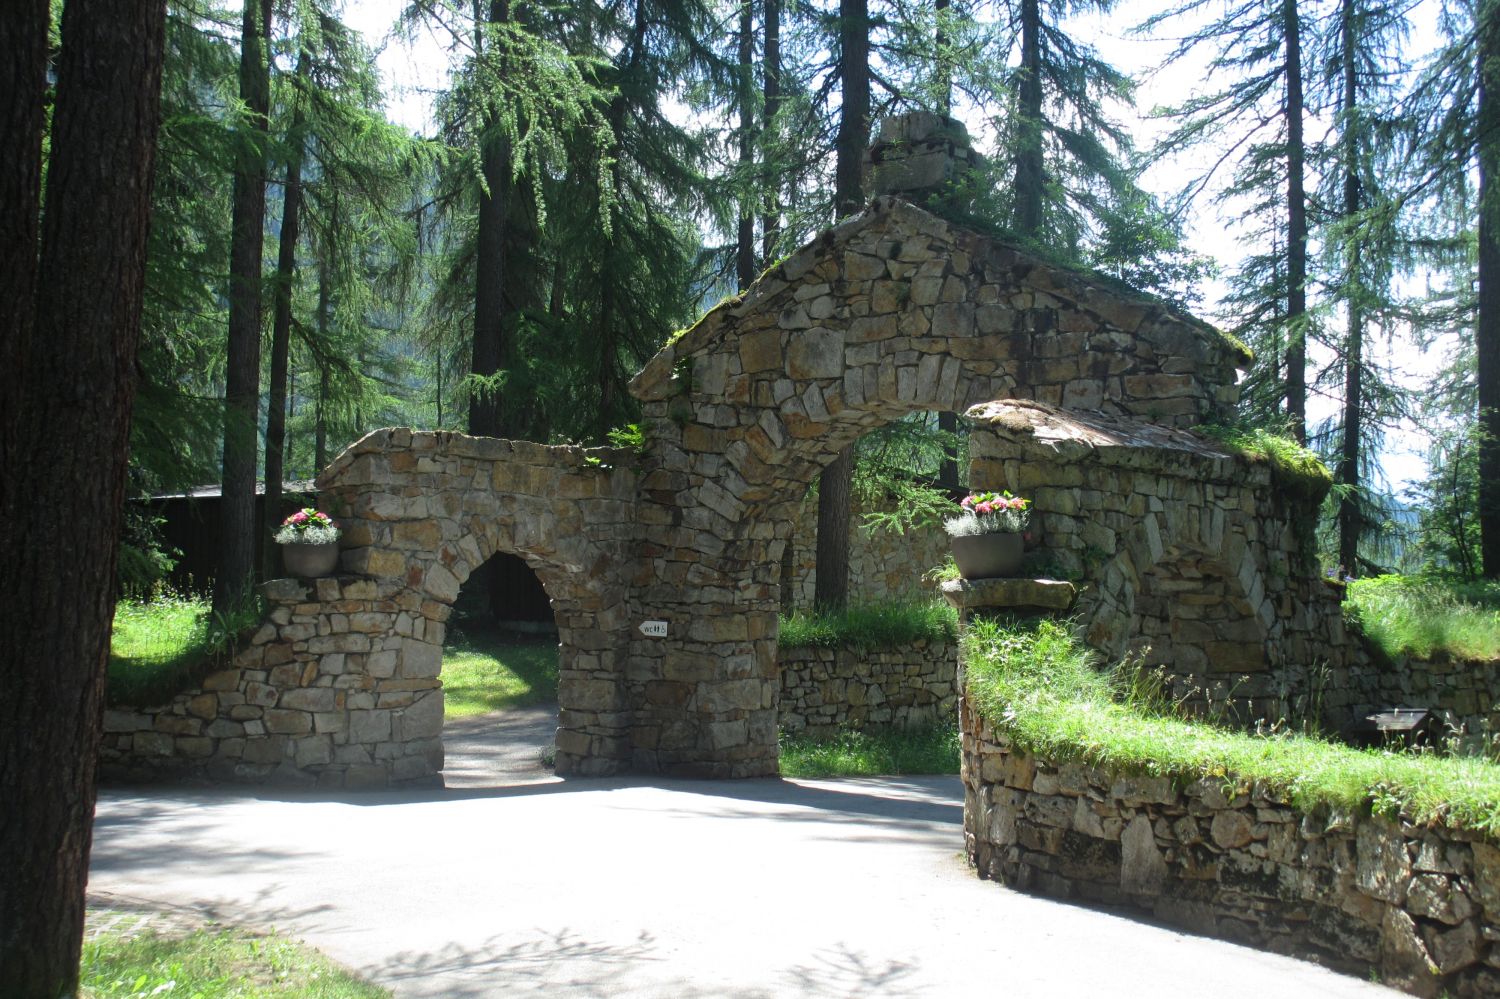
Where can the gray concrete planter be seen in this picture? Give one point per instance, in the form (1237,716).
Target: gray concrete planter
(310,561)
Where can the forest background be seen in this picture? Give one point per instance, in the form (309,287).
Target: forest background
(565,185)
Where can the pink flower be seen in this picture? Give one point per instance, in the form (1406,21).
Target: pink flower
(968,502)
(985,507)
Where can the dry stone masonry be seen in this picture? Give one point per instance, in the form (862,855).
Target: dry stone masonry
(823,690)
(1419,906)
(893,311)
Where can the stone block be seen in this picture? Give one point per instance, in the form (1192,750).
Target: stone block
(279,721)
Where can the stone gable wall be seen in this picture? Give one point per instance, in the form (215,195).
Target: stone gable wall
(908,687)
(1420,906)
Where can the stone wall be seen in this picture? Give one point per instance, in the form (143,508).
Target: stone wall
(1466,695)
(1192,558)
(1420,906)
(337,688)
(893,311)
(826,689)
(883,565)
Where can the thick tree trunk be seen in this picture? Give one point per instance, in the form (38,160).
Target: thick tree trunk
(770,223)
(1030,177)
(489,265)
(744,256)
(1351,523)
(948,471)
(1487,333)
(237,544)
(281,332)
(66,392)
(1296,244)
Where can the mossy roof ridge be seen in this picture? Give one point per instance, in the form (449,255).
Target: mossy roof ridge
(1068,436)
(1078,285)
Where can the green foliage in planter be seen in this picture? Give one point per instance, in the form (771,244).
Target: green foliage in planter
(1427,617)
(883,625)
(1041,686)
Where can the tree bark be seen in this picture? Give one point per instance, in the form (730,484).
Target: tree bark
(489,265)
(281,328)
(1487,331)
(320,424)
(1296,243)
(770,223)
(831,588)
(71,329)
(1351,523)
(1030,176)
(744,256)
(237,543)
(831,591)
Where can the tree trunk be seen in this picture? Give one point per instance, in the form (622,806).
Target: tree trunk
(320,424)
(1030,178)
(237,543)
(832,588)
(948,471)
(1351,523)
(1296,245)
(66,392)
(941,11)
(281,330)
(1487,333)
(831,591)
(770,223)
(489,264)
(744,257)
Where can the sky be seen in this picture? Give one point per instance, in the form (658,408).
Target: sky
(415,67)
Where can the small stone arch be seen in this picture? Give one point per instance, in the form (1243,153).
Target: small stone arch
(428,509)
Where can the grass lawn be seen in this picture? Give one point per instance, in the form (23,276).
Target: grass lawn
(871,626)
(877,753)
(227,963)
(155,648)
(487,671)
(1408,615)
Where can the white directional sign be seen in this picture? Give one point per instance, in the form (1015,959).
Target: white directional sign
(654,629)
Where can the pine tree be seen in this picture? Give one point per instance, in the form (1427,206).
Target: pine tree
(66,388)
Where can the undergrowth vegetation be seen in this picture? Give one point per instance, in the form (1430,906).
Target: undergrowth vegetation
(1041,685)
(877,752)
(1424,618)
(221,963)
(163,645)
(871,626)
(486,670)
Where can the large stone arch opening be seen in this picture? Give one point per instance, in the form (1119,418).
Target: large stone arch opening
(892,312)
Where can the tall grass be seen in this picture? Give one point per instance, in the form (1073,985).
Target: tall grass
(873,753)
(1041,685)
(1424,618)
(871,626)
(161,646)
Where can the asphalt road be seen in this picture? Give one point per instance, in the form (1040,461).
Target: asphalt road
(627,887)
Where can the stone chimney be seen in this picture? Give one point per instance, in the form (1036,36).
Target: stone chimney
(917,156)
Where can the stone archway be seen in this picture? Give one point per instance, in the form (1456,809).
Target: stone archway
(892,312)
(425,510)
(663,565)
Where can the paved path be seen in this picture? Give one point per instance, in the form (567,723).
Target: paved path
(624,887)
